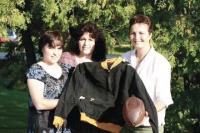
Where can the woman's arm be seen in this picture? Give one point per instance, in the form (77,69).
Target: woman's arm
(36,89)
(160,105)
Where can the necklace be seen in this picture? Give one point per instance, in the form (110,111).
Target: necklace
(139,60)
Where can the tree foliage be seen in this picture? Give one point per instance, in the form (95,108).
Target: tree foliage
(11,16)
(111,16)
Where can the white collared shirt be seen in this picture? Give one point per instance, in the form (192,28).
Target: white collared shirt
(155,72)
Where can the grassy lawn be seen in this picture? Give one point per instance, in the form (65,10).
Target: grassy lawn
(119,49)
(13,111)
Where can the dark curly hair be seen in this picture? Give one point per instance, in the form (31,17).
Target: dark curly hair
(99,53)
(50,38)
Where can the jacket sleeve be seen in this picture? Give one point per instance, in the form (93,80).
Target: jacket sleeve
(68,98)
(138,89)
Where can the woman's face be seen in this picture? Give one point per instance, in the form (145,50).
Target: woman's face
(51,55)
(139,35)
(86,44)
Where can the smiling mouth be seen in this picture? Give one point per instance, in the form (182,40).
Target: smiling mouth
(54,56)
(86,48)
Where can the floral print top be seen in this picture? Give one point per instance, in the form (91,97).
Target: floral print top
(52,86)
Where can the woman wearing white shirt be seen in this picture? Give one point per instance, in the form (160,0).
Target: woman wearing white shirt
(153,69)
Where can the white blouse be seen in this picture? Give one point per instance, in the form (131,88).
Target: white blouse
(155,72)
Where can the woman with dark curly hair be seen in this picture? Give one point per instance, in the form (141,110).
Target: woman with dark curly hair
(87,44)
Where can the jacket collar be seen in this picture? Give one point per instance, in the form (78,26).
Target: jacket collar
(109,64)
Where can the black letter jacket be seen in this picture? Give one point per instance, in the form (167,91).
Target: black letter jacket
(99,89)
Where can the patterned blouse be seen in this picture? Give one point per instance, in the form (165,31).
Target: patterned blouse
(52,86)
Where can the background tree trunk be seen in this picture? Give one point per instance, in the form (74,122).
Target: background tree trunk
(26,38)
(29,48)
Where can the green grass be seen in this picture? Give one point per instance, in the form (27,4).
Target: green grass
(119,49)
(13,111)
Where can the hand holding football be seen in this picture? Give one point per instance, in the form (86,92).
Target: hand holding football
(133,111)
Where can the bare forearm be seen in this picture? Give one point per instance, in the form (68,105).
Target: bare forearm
(160,105)
(46,104)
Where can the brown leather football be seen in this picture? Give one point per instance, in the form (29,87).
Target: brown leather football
(133,111)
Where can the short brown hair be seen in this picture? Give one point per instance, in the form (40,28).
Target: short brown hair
(141,19)
(49,38)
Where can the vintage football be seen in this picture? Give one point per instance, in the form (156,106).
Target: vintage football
(133,111)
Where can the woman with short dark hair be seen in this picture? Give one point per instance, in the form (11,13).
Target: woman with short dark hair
(152,67)
(45,80)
